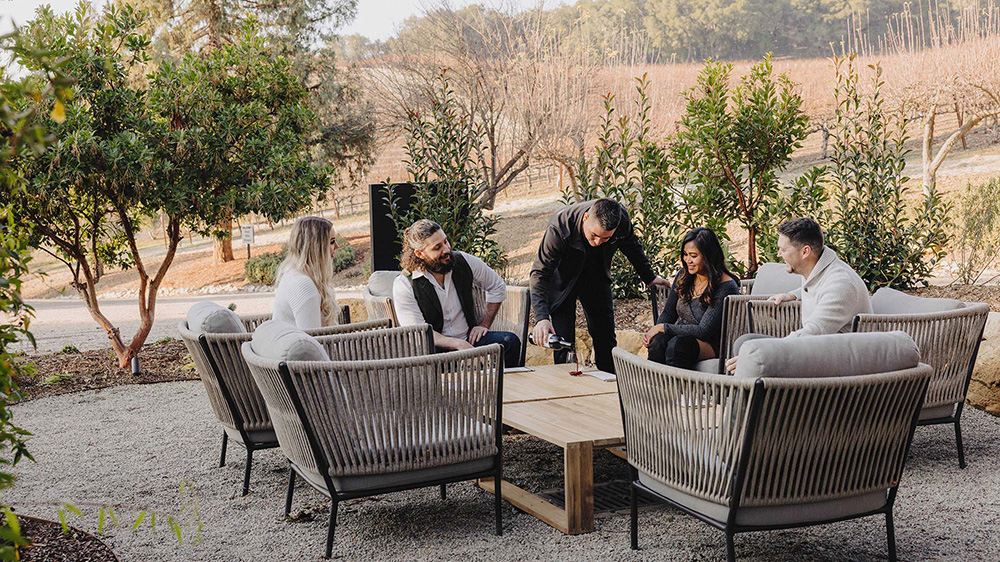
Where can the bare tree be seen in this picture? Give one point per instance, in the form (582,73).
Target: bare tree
(510,77)
(950,65)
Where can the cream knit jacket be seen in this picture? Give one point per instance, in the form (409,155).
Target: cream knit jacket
(831,297)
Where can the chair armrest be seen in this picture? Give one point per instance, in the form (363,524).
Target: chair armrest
(252,321)
(777,320)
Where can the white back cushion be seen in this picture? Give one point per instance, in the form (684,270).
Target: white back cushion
(282,341)
(773,278)
(380,283)
(209,318)
(834,355)
(891,301)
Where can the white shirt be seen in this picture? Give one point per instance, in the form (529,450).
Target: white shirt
(297,301)
(455,326)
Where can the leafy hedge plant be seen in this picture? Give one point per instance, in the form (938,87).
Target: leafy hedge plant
(344,256)
(978,230)
(262,269)
(721,166)
(441,149)
(889,241)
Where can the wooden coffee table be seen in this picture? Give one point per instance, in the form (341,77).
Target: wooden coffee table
(578,414)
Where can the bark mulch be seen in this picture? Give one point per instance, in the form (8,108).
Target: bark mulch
(73,371)
(50,544)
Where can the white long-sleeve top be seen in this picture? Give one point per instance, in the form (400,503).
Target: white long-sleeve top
(297,301)
(831,297)
(455,326)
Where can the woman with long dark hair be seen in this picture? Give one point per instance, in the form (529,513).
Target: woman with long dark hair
(690,324)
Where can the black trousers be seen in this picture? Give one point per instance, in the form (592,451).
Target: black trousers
(600,313)
(676,351)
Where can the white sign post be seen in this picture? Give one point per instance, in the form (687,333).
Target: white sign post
(246,232)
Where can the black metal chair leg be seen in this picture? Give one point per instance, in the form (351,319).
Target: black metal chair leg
(225,441)
(291,488)
(730,547)
(246,472)
(634,519)
(331,528)
(444,493)
(498,504)
(958,441)
(890,535)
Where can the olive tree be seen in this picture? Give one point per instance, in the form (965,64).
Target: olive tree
(195,141)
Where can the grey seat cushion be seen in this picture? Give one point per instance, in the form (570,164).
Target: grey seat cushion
(256,437)
(209,318)
(835,355)
(936,412)
(773,278)
(282,341)
(791,514)
(380,283)
(371,482)
(891,301)
(708,366)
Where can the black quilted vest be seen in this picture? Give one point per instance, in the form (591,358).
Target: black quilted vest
(430,304)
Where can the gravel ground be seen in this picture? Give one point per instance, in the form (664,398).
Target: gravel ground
(133,447)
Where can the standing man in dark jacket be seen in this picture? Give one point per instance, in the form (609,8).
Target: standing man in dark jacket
(574,262)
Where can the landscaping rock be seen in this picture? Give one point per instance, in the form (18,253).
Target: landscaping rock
(984,390)
(629,340)
(358,311)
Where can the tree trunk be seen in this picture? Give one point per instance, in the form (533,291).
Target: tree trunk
(224,246)
(149,289)
(927,145)
(958,113)
(931,166)
(751,251)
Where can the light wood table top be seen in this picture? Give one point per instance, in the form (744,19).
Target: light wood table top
(595,419)
(549,382)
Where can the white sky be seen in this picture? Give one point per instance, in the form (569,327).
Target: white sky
(377,19)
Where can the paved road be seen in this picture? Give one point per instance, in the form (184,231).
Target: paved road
(62,322)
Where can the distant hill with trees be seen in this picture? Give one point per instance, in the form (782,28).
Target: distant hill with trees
(695,30)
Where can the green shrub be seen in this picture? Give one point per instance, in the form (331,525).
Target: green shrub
(441,158)
(631,167)
(344,256)
(887,240)
(261,269)
(69,349)
(978,230)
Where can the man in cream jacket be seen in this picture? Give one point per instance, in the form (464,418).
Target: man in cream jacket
(832,294)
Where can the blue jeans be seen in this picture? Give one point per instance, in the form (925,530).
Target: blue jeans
(510,342)
(511,346)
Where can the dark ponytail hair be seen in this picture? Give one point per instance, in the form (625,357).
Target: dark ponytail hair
(712,258)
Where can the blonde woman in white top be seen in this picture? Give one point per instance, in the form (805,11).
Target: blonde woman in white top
(304,295)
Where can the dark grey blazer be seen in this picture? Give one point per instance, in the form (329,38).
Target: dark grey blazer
(561,254)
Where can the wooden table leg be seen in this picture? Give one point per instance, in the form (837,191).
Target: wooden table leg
(579,474)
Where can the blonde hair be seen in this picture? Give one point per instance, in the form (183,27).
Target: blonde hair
(309,254)
(415,238)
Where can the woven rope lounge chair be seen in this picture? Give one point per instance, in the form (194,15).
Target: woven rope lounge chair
(512,316)
(760,453)
(354,429)
(948,333)
(232,393)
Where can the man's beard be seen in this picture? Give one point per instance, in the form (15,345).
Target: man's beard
(442,264)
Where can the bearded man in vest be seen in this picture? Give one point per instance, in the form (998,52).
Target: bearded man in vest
(436,288)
